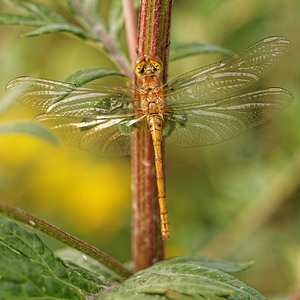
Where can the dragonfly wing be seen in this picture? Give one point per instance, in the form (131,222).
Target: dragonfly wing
(68,100)
(212,122)
(97,120)
(105,136)
(225,78)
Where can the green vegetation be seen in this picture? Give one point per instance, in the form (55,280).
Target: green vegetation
(238,200)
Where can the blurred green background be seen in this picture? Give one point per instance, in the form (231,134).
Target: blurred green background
(238,200)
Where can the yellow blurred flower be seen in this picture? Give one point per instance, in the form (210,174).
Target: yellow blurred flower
(87,192)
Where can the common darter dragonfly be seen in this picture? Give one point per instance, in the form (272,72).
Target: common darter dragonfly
(201,107)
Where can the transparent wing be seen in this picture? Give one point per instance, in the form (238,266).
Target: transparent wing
(211,122)
(96,120)
(68,100)
(105,136)
(227,77)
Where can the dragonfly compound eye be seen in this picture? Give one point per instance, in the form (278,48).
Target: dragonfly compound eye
(139,67)
(156,65)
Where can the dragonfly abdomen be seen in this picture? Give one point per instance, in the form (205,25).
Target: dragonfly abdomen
(155,122)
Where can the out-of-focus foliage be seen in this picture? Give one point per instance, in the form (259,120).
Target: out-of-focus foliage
(239,199)
(185,49)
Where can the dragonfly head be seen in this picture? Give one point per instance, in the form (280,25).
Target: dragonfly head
(148,65)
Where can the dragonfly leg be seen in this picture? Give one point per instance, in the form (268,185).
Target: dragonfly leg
(169,117)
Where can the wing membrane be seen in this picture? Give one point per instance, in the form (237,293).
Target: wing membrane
(68,100)
(199,104)
(212,122)
(227,77)
(106,136)
(96,120)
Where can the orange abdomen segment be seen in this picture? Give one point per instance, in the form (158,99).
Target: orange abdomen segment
(155,123)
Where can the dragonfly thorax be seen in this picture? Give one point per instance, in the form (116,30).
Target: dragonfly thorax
(148,69)
(151,95)
(152,102)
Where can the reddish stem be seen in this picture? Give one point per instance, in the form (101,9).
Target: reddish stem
(295,295)
(148,246)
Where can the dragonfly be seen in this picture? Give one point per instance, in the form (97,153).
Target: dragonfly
(201,107)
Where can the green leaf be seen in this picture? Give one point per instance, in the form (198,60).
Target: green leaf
(34,14)
(180,50)
(129,296)
(187,276)
(28,128)
(184,279)
(50,28)
(84,76)
(29,269)
(12,19)
(222,265)
(39,11)
(133,296)
(39,15)
(72,256)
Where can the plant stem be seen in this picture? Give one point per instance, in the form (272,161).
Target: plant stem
(69,240)
(148,246)
(112,49)
(295,295)
(130,24)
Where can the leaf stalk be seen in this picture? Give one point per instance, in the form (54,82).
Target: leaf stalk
(24,217)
